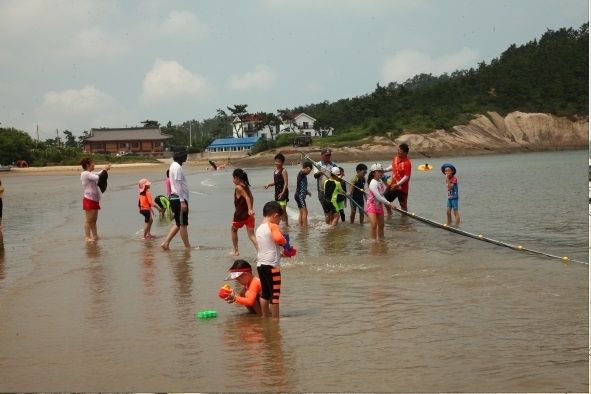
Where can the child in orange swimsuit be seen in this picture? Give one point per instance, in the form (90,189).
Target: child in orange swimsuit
(249,295)
(145,204)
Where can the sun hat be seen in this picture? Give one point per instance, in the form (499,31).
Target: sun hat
(143,183)
(326,151)
(453,169)
(335,171)
(376,167)
(236,272)
(180,151)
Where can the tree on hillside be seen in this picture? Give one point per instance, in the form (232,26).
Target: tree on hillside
(151,123)
(287,117)
(222,117)
(70,139)
(268,120)
(238,111)
(322,126)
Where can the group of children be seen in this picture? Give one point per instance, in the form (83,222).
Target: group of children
(261,295)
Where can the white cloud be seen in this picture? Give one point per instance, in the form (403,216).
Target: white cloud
(261,78)
(169,82)
(408,63)
(86,108)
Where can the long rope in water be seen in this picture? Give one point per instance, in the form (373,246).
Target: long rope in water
(479,237)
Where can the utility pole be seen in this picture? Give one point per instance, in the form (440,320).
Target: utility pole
(190,134)
(37,133)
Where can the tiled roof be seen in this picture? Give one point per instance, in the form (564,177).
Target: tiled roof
(295,116)
(128,134)
(251,118)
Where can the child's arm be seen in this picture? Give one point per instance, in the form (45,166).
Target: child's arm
(241,192)
(450,183)
(248,299)
(278,238)
(270,184)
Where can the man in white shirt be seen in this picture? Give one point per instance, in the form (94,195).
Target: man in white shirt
(179,198)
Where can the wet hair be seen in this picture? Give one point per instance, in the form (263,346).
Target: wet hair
(272,207)
(361,167)
(280,157)
(342,170)
(241,264)
(84,162)
(307,164)
(240,174)
(404,147)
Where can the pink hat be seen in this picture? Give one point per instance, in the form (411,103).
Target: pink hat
(143,183)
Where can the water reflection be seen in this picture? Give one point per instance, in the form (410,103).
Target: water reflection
(258,343)
(99,310)
(148,269)
(183,282)
(379,248)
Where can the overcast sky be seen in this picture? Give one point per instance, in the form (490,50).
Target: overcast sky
(74,65)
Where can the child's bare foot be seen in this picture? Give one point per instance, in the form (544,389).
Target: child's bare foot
(89,239)
(164,246)
(234,253)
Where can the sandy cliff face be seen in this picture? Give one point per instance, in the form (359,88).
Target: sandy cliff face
(518,131)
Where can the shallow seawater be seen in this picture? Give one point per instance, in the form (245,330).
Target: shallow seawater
(424,310)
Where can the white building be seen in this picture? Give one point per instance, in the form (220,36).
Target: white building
(246,126)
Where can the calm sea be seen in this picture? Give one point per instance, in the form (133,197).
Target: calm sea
(426,310)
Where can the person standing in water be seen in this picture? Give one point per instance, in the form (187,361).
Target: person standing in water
(179,199)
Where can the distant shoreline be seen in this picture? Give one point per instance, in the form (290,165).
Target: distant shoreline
(364,154)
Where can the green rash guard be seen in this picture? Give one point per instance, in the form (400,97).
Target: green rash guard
(336,190)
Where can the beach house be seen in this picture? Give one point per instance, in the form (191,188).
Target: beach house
(134,140)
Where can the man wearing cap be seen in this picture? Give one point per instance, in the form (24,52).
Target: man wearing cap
(401,169)
(249,295)
(179,198)
(320,174)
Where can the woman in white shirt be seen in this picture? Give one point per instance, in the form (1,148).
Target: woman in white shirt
(92,196)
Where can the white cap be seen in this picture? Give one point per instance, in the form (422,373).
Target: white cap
(376,167)
(335,171)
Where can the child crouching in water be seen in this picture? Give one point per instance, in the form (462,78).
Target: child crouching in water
(249,295)
(145,204)
(270,242)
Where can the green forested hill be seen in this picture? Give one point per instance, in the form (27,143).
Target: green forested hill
(549,75)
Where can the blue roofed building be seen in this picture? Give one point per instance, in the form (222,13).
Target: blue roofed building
(231,147)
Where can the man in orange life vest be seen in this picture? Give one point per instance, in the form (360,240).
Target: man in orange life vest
(401,169)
